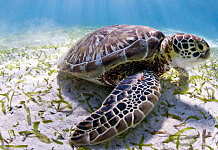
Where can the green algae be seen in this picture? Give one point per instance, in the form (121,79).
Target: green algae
(28,114)
(192,117)
(141,144)
(202,82)
(174,116)
(57,141)
(43,138)
(47,121)
(5,147)
(3,107)
(83,148)
(176,137)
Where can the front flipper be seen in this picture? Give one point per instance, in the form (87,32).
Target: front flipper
(127,105)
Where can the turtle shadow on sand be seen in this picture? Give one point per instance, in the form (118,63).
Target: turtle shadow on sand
(87,97)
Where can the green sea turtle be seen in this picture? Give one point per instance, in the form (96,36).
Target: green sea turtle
(130,58)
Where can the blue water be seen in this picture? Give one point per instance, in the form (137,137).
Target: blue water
(194,16)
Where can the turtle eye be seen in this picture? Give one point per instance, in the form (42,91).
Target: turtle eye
(200,46)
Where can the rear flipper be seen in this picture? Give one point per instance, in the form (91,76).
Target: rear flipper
(127,105)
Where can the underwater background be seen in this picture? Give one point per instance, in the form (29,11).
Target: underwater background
(38,106)
(190,16)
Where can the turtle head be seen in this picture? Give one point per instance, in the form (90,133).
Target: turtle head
(188,49)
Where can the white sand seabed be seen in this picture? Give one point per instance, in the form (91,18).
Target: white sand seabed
(36,114)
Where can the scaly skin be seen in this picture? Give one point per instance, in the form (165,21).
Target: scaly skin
(127,105)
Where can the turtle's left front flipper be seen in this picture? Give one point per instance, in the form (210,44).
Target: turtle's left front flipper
(127,105)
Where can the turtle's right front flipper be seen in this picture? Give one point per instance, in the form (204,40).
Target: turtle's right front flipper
(127,105)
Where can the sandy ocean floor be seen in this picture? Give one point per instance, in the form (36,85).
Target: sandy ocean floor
(38,105)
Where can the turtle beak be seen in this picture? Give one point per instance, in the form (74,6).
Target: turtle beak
(206,54)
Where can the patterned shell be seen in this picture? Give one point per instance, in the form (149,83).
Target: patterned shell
(111,45)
